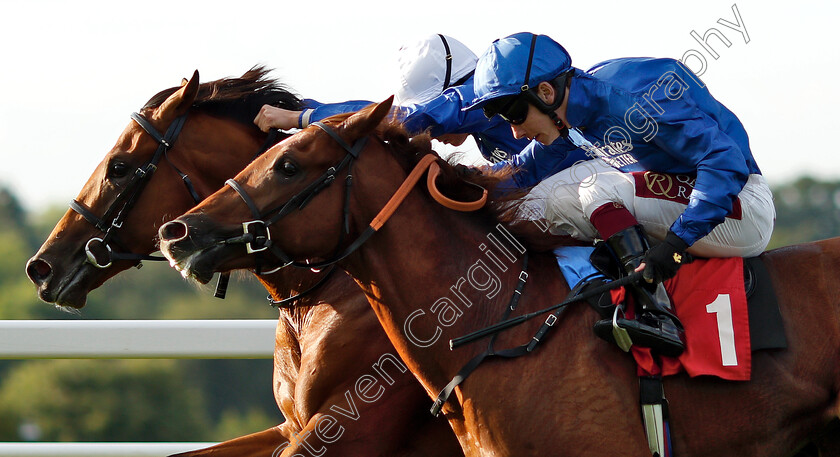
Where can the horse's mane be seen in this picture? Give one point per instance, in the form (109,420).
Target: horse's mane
(239,98)
(408,150)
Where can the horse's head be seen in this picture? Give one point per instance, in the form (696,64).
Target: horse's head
(299,188)
(297,201)
(113,223)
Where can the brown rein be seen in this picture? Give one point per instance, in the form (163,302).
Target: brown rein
(427,162)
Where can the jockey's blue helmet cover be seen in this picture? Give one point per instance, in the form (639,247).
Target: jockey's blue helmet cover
(503,67)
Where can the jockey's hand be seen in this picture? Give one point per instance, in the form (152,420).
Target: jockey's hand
(272,117)
(663,260)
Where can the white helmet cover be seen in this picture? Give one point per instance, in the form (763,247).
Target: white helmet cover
(423,68)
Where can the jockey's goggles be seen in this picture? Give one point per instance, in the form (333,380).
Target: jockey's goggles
(513,108)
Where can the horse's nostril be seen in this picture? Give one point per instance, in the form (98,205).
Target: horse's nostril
(38,270)
(173,231)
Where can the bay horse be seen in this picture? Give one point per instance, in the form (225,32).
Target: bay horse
(429,275)
(316,364)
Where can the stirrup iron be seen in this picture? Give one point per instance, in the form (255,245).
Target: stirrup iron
(622,338)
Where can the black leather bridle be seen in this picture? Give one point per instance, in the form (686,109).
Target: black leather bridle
(116,214)
(256,235)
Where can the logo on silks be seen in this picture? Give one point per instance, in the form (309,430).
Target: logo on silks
(670,187)
(675,188)
(616,153)
(498,155)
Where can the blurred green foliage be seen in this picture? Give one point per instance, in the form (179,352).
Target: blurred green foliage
(111,400)
(806,210)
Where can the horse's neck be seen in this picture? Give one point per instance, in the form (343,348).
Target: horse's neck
(218,150)
(316,295)
(432,275)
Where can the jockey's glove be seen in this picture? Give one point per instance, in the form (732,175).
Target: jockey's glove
(663,260)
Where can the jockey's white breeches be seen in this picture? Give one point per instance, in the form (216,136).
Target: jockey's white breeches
(565,201)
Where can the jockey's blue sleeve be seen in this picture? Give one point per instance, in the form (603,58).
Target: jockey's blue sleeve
(316,111)
(537,162)
(692,136)
(443,114)
(440,115)
(654,114)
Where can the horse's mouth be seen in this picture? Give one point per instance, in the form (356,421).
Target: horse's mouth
(198,249)
(72,290)
(199,265)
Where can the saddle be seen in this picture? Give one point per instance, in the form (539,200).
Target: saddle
(584,267)
(758,327)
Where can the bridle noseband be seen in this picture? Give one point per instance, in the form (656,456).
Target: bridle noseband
(116,214)
(255,233)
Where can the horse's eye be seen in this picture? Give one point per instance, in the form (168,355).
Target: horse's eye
(287,168)
(117,169)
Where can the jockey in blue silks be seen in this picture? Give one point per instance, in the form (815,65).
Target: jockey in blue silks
(636,114)
(436,82)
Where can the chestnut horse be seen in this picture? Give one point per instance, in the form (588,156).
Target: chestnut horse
(429,275)
(317,368)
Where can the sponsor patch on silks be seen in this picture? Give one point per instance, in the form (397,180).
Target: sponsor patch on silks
(671,187)
(709,299)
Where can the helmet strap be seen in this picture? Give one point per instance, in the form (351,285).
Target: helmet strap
(559,83)
(448,63)
(564,131)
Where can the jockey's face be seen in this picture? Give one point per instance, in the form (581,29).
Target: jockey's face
(537,126)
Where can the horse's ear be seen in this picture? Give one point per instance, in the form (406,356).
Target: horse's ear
(366,120)
(179,102)
(184,81)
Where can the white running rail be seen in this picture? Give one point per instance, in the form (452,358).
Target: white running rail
(129,339)
(140,339)
(97,449)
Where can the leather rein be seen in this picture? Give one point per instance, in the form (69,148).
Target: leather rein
(256,234)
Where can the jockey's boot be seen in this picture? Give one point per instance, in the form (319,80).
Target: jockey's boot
(655,326)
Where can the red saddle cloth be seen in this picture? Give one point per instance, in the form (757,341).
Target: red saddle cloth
(708,297)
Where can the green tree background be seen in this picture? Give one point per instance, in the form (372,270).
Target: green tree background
(197,400)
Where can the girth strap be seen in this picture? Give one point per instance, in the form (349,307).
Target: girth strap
(655,415)
(470,366)
(575,295)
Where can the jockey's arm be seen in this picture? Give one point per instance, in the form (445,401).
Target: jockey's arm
(696,141)
(538,161)
(278,118)
(443,115)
